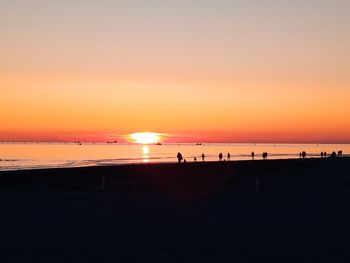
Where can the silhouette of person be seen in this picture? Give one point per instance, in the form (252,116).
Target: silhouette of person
(340,153)
(179,157)
(228,156)
(195,159)
(333,155)
(253,154)
(321,154)
(325,154)
(185,161)
(303,154)
(220,156)
(264,155)
(300,155)
(203,157)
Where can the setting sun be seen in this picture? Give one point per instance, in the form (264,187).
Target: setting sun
(145,137)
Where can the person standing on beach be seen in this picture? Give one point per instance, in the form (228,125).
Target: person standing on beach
(179,157)
(321,154)
(303,154)
(220,156)
(253,154)
(228,156)
(203,157)
(264,155)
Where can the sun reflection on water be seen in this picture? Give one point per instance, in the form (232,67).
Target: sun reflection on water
(145,154)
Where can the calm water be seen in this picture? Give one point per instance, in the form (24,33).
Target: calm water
(44,155)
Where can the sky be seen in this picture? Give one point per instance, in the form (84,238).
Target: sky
(218,71)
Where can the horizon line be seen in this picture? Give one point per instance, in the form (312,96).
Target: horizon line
(165,143)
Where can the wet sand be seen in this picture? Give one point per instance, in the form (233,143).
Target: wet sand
(243,211)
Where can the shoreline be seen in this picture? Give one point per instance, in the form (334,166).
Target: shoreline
(199,162)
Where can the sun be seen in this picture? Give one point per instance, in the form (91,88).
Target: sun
(145,137)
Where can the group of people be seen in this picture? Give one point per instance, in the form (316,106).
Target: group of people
(221,157)
(180,157)
(302,155)
(333,154)
(323,154)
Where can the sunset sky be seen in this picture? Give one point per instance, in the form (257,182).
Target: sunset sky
(200,70)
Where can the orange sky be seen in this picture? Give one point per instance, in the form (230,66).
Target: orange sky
(236,72)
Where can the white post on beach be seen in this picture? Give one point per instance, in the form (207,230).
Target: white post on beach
(257,184)
(103,182)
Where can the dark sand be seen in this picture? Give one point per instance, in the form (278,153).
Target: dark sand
(195,212)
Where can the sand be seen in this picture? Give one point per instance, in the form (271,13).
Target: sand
(244,211)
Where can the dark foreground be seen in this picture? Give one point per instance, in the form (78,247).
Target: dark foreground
(296,211)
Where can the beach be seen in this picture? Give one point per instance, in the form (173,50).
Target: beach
(238,211)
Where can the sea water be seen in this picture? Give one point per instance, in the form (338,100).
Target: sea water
(18,156)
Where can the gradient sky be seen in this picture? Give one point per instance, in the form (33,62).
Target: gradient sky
(238,70)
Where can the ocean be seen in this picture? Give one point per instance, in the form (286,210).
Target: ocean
(19,156)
